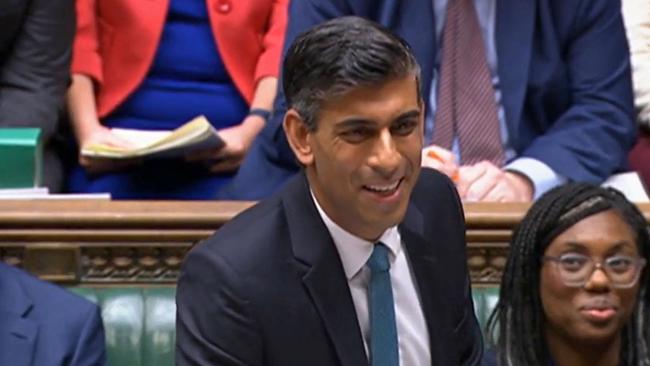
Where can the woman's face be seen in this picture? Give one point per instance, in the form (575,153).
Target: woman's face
(595,312)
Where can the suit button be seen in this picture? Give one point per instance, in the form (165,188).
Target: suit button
(223,6)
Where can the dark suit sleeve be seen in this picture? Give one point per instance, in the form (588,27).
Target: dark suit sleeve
(592,138)
(467,331)
(214,323)
(90,349)
(35,74)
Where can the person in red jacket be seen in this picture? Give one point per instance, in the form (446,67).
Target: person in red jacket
(157,64)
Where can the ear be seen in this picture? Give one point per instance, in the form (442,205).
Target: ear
(298,136)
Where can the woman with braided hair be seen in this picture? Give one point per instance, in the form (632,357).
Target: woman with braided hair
(575,289)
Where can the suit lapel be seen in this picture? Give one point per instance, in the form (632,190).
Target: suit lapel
(323,274)
(514,32)
(423,264)
(17,333)
(17,339)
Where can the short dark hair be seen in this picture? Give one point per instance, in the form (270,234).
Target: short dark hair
(516,325)
(338,56)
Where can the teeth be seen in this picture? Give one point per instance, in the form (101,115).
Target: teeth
(384,188)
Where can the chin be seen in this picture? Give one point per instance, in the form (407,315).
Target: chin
(396,216)
(385,221)
(598,335)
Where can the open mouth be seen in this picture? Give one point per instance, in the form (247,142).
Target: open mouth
(384,189)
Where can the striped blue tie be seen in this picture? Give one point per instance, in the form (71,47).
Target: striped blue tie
(383,331)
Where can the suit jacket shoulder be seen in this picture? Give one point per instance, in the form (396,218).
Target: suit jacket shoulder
(273,278)
(44,324)
(249,278)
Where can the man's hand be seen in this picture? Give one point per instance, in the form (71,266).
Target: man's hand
(441,159)
(485,181)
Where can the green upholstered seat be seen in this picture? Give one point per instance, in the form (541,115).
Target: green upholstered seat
(485,299)
(139,321)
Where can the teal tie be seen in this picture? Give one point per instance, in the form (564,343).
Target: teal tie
(383,331)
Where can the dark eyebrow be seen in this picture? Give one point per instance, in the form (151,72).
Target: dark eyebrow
(358,121)
(407,115)
(621,245)
(574,245)
(354,122)
(618,245)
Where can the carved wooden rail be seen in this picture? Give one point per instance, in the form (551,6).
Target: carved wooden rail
(142,242)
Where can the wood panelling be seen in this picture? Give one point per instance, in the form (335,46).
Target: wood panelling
(131,242)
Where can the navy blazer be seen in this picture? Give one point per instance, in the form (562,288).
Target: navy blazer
(44,325)
(269,287)
(564,75)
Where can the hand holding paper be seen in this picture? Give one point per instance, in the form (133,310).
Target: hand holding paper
(197,134)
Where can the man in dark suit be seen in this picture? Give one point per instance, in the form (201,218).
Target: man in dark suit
(43,325)
(561,79)
(361,258)
(35,50)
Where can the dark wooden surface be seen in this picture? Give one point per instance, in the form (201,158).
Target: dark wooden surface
(142,242)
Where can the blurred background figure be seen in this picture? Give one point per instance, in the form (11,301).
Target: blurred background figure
(42,324)
(575,288)
(156,65)
(545,96)
(636,14)
(35,46)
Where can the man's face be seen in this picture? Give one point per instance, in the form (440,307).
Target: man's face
(364,157)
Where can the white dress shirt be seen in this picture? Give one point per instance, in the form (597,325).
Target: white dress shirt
(412,333)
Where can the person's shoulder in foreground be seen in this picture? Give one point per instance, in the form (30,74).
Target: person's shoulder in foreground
(44,325)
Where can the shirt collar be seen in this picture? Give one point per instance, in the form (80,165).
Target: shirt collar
(354,251)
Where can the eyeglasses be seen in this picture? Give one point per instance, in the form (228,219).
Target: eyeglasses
(576,269)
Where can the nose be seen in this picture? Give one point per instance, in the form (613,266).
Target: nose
(385,159)
(598,281)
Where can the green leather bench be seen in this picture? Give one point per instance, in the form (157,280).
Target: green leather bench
(485,299)
(139,322)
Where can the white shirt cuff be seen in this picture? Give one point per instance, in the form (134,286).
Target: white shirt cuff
(541,175)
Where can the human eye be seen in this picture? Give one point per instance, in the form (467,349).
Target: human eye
(404,127)
(356,134)
(573,262)
(619,264)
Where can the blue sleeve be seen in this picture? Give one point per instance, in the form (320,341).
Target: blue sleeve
(91,345)
(591,139)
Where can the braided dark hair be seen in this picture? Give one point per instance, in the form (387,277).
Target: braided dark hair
(515,327)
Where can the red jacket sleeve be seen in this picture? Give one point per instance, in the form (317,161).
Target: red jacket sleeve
(86,58)
(268,63)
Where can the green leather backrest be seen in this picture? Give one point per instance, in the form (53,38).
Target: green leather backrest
(485,298)
(139,322)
